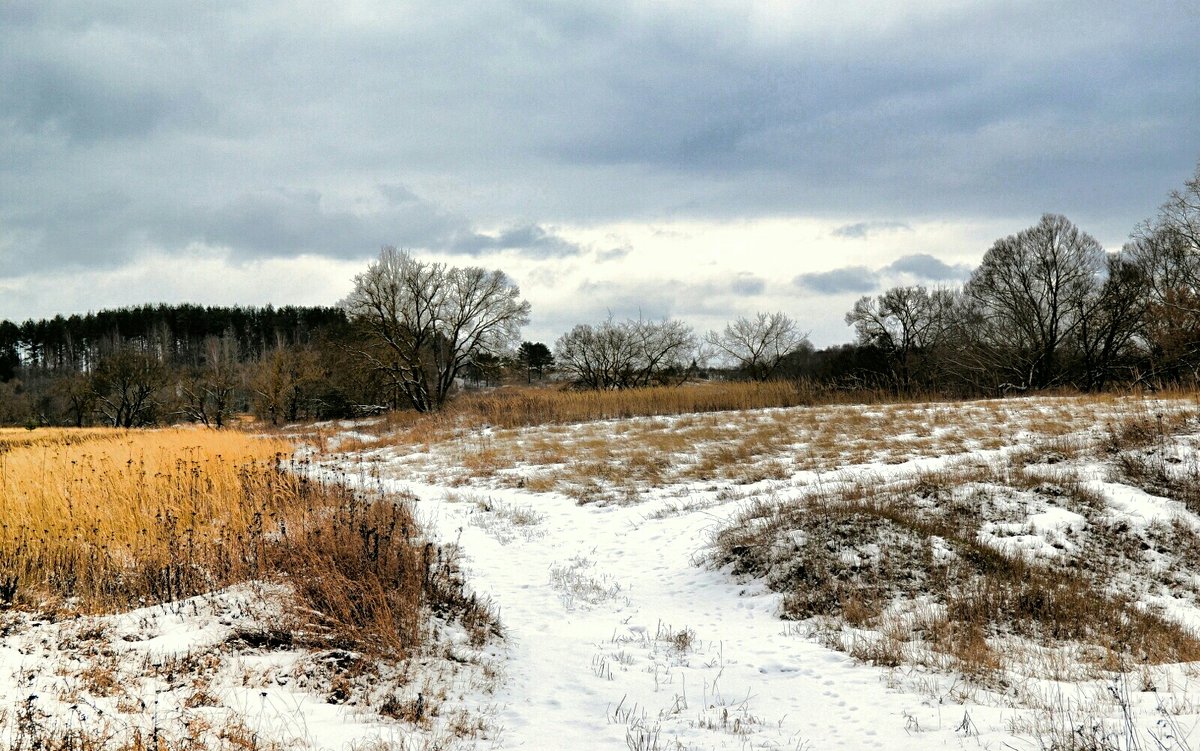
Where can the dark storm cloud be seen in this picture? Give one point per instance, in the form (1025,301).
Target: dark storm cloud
(849,279)
(269,129)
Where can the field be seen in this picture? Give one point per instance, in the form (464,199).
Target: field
(718,573)
(143,574)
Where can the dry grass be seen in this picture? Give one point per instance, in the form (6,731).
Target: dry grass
(35,730)
(1148,453)
(105,521)
(519,406)
(616,460)
(11,438)
(905,562)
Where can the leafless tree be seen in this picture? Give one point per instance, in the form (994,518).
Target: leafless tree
(1110,320)
(282,382)
(627,354)
(207,390)
(1181,213)
(424,321)
(76,391)
(909,324)
(1029,295)
(758,346)
(1167,249)
(126,383)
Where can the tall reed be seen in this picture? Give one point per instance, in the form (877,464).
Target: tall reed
(103,521)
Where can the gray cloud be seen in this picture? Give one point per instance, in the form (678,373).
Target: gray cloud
(666,298)
(49,99)
(914,268)
(927,268)
(278,222)
(849,279)
(489,123)
(747,284)
(613,254)
(530,240)
(863,230)
(643,299)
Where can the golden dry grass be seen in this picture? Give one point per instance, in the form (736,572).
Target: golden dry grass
(102,521)
(16,437)
(612,459)
(523,406)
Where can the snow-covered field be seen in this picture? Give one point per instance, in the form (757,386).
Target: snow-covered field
(621,629)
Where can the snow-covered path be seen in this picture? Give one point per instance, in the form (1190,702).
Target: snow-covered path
(615,637)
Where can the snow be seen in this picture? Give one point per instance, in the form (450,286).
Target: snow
(588,671)
(616,632)
(617,635)
(594,663)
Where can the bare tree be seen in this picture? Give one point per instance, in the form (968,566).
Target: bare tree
(1167,249)
(909,324)
(1029,295)
(283,381)
(207,390)
(424,321)
(628,354)
(1110,320)
(1180,215)
(757,346)
(77,393)
(126,381)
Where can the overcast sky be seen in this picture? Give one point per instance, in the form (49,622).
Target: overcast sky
(693,159)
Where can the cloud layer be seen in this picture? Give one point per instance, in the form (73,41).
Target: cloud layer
(918,268)
(487,130)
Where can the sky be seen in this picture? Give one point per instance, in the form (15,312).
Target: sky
(698,160)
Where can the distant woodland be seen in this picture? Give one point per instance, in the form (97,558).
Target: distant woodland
(1047,308)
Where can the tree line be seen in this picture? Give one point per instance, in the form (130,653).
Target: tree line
(1047,307)
(164,363)
(155,364)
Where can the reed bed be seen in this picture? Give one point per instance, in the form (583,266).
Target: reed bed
(103,521)
(620,460)
(527,406)
(98,521)
(11,438)
(521,407)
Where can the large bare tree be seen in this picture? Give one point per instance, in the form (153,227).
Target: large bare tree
(1028,297)
(758,345)
(909,324)
(1167,249)
(126,383)
(1110,320)
(627,354)
(424,321)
